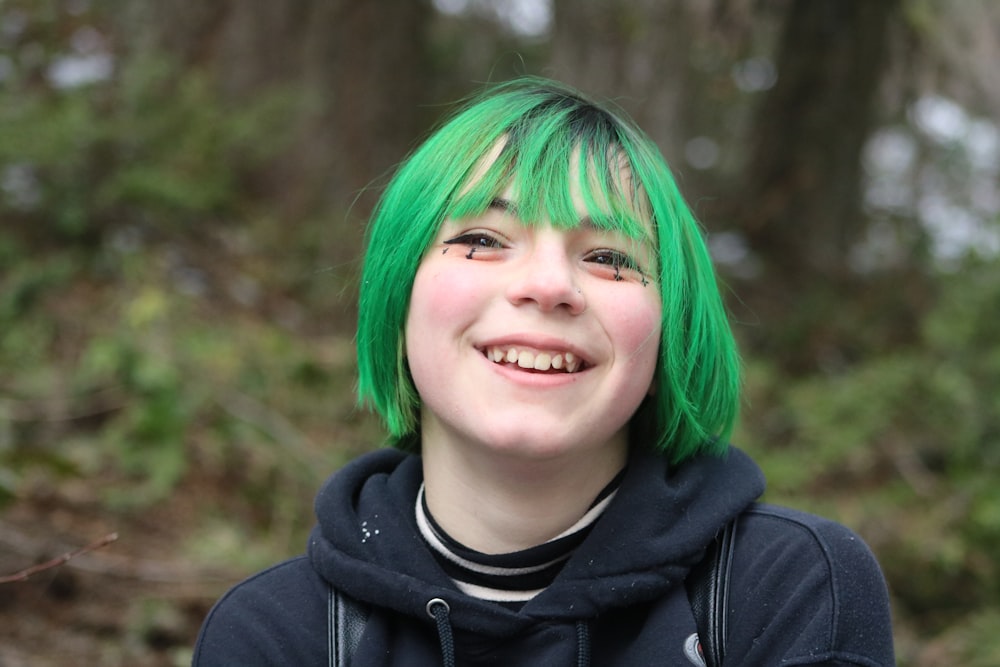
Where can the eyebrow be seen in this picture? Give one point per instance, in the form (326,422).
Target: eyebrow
(504,205)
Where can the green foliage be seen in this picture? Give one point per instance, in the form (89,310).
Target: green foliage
(129,359)
(154,146)
(140,359)
(979,640)
(135,385)
(181,150)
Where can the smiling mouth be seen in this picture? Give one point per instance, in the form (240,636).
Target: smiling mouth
(535,360)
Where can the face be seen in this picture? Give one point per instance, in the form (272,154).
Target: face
(531,341)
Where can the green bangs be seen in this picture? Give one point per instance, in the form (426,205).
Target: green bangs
(544,143)
(548,156)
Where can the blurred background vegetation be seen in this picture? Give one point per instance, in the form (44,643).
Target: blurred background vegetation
(183,191)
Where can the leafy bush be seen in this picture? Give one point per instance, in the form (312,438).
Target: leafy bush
(154,147)
(133,345)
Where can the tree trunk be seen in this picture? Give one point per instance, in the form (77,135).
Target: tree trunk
(635,53)
(801,209)
(359,67)
(805,163)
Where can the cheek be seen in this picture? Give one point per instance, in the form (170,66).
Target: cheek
(439,303)
(637,341)
(635,325)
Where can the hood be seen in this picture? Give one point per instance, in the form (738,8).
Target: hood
(367,543)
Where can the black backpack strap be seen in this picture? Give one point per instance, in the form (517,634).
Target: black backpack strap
(346,618)
(708,591)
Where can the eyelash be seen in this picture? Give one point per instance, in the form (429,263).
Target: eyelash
(612,258)
(476,240)
(615,260)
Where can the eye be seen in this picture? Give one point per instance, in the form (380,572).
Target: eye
(478,243)
(477,240)
(615,259)
(613,263)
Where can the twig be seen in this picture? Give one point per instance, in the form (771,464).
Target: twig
(119,566)
(24,574)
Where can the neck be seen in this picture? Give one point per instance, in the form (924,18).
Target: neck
(496,503)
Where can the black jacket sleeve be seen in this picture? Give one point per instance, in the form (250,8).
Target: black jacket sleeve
(805,591)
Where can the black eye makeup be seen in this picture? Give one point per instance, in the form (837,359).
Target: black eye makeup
(613,258)
(476,241)
(481,240)
(616,262)
(606,262)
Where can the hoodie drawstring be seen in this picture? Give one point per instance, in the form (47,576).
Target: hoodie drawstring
(582,644)
(438,609)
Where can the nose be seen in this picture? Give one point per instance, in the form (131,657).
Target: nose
(547,278)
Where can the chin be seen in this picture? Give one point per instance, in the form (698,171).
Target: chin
(532,450)
(539,446)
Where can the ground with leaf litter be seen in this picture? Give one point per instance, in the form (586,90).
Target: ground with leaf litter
(128,602)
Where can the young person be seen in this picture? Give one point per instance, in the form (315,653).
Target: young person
(541,331)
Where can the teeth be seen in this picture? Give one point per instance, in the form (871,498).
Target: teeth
(539,361)
(542,362)
(571,363)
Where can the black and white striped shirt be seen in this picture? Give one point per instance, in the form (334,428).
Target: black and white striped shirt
(510,579)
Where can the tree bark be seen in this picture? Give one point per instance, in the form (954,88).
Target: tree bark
(634,53)
(804,169)
(359,67)
(800,208)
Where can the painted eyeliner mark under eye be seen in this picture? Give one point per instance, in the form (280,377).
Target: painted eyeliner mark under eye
(472,251)
(618,261)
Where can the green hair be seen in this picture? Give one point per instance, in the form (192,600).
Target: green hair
(552,140)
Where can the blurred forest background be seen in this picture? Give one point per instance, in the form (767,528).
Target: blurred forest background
(183,193)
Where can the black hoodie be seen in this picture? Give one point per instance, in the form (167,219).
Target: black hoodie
(805,591)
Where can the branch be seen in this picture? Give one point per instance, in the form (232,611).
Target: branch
(24,574)
(117,565)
